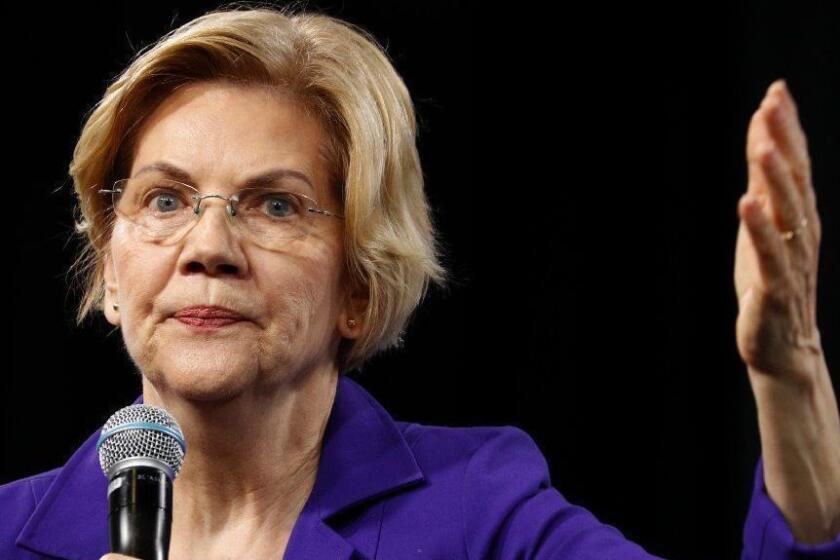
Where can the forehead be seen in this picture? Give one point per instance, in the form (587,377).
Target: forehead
(222,133)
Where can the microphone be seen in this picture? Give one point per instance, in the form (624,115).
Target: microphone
(141,449)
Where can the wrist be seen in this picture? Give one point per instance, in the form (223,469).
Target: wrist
(800,441)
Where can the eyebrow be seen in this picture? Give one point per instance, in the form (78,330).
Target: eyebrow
(267,178)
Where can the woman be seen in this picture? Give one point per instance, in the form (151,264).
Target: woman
(257,227)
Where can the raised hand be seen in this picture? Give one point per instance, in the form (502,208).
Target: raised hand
(778,244)
(776,262)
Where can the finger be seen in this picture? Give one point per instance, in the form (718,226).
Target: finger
(809,193)
(784,126)
(757,134)
(785,200)
(769,249)
(767,177)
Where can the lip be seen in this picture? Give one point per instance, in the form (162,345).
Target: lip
(208,316)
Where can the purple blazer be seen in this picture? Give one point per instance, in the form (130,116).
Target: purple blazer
(389,490)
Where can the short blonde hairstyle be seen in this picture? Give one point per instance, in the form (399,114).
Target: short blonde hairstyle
(341,75)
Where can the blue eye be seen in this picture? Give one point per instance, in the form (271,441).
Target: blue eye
(163,200)
(280,206)
(166,203)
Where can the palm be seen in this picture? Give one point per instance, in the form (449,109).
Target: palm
(775,279)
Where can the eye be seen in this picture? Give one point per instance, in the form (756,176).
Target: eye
(164,201)
(280,205)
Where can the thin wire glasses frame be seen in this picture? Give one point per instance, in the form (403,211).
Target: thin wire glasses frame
(164,199)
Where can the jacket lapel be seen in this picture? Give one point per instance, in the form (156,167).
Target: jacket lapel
(71,521)
(364,454)
(364,457)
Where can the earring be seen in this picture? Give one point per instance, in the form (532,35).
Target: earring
(116,307)
(351,323)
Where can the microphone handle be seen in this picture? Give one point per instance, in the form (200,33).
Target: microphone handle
(140,512)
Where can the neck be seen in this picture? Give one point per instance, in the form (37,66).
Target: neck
(250,459)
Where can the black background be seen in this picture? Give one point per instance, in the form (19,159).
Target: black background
(584,167)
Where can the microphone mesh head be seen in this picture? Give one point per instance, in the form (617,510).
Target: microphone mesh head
(141,431)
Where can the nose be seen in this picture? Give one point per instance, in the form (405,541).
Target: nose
(212,246)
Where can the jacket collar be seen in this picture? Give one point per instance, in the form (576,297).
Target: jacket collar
(364,457)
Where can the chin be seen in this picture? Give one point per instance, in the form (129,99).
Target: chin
(210,367)
(214,376)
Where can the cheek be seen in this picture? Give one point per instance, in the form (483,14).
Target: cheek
(294,296)
(301,296)
(142,273)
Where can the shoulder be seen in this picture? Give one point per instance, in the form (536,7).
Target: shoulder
(507,448)
(493,483)
(495,468)
(511,447)
(18,499)
(502,460)
(481,482)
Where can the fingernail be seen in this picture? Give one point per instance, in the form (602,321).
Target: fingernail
(779,85)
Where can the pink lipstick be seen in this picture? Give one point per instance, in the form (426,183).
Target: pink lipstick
(208,316)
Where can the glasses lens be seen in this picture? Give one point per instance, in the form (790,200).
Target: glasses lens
(161,208)
(272,218)
(164,210)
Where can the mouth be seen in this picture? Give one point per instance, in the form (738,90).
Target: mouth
(208,316)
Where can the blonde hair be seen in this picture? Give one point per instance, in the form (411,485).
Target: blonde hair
(340,74)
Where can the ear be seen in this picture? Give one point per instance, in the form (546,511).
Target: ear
(111,299)
(353,312)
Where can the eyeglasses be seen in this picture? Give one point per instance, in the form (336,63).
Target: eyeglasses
(164,210)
